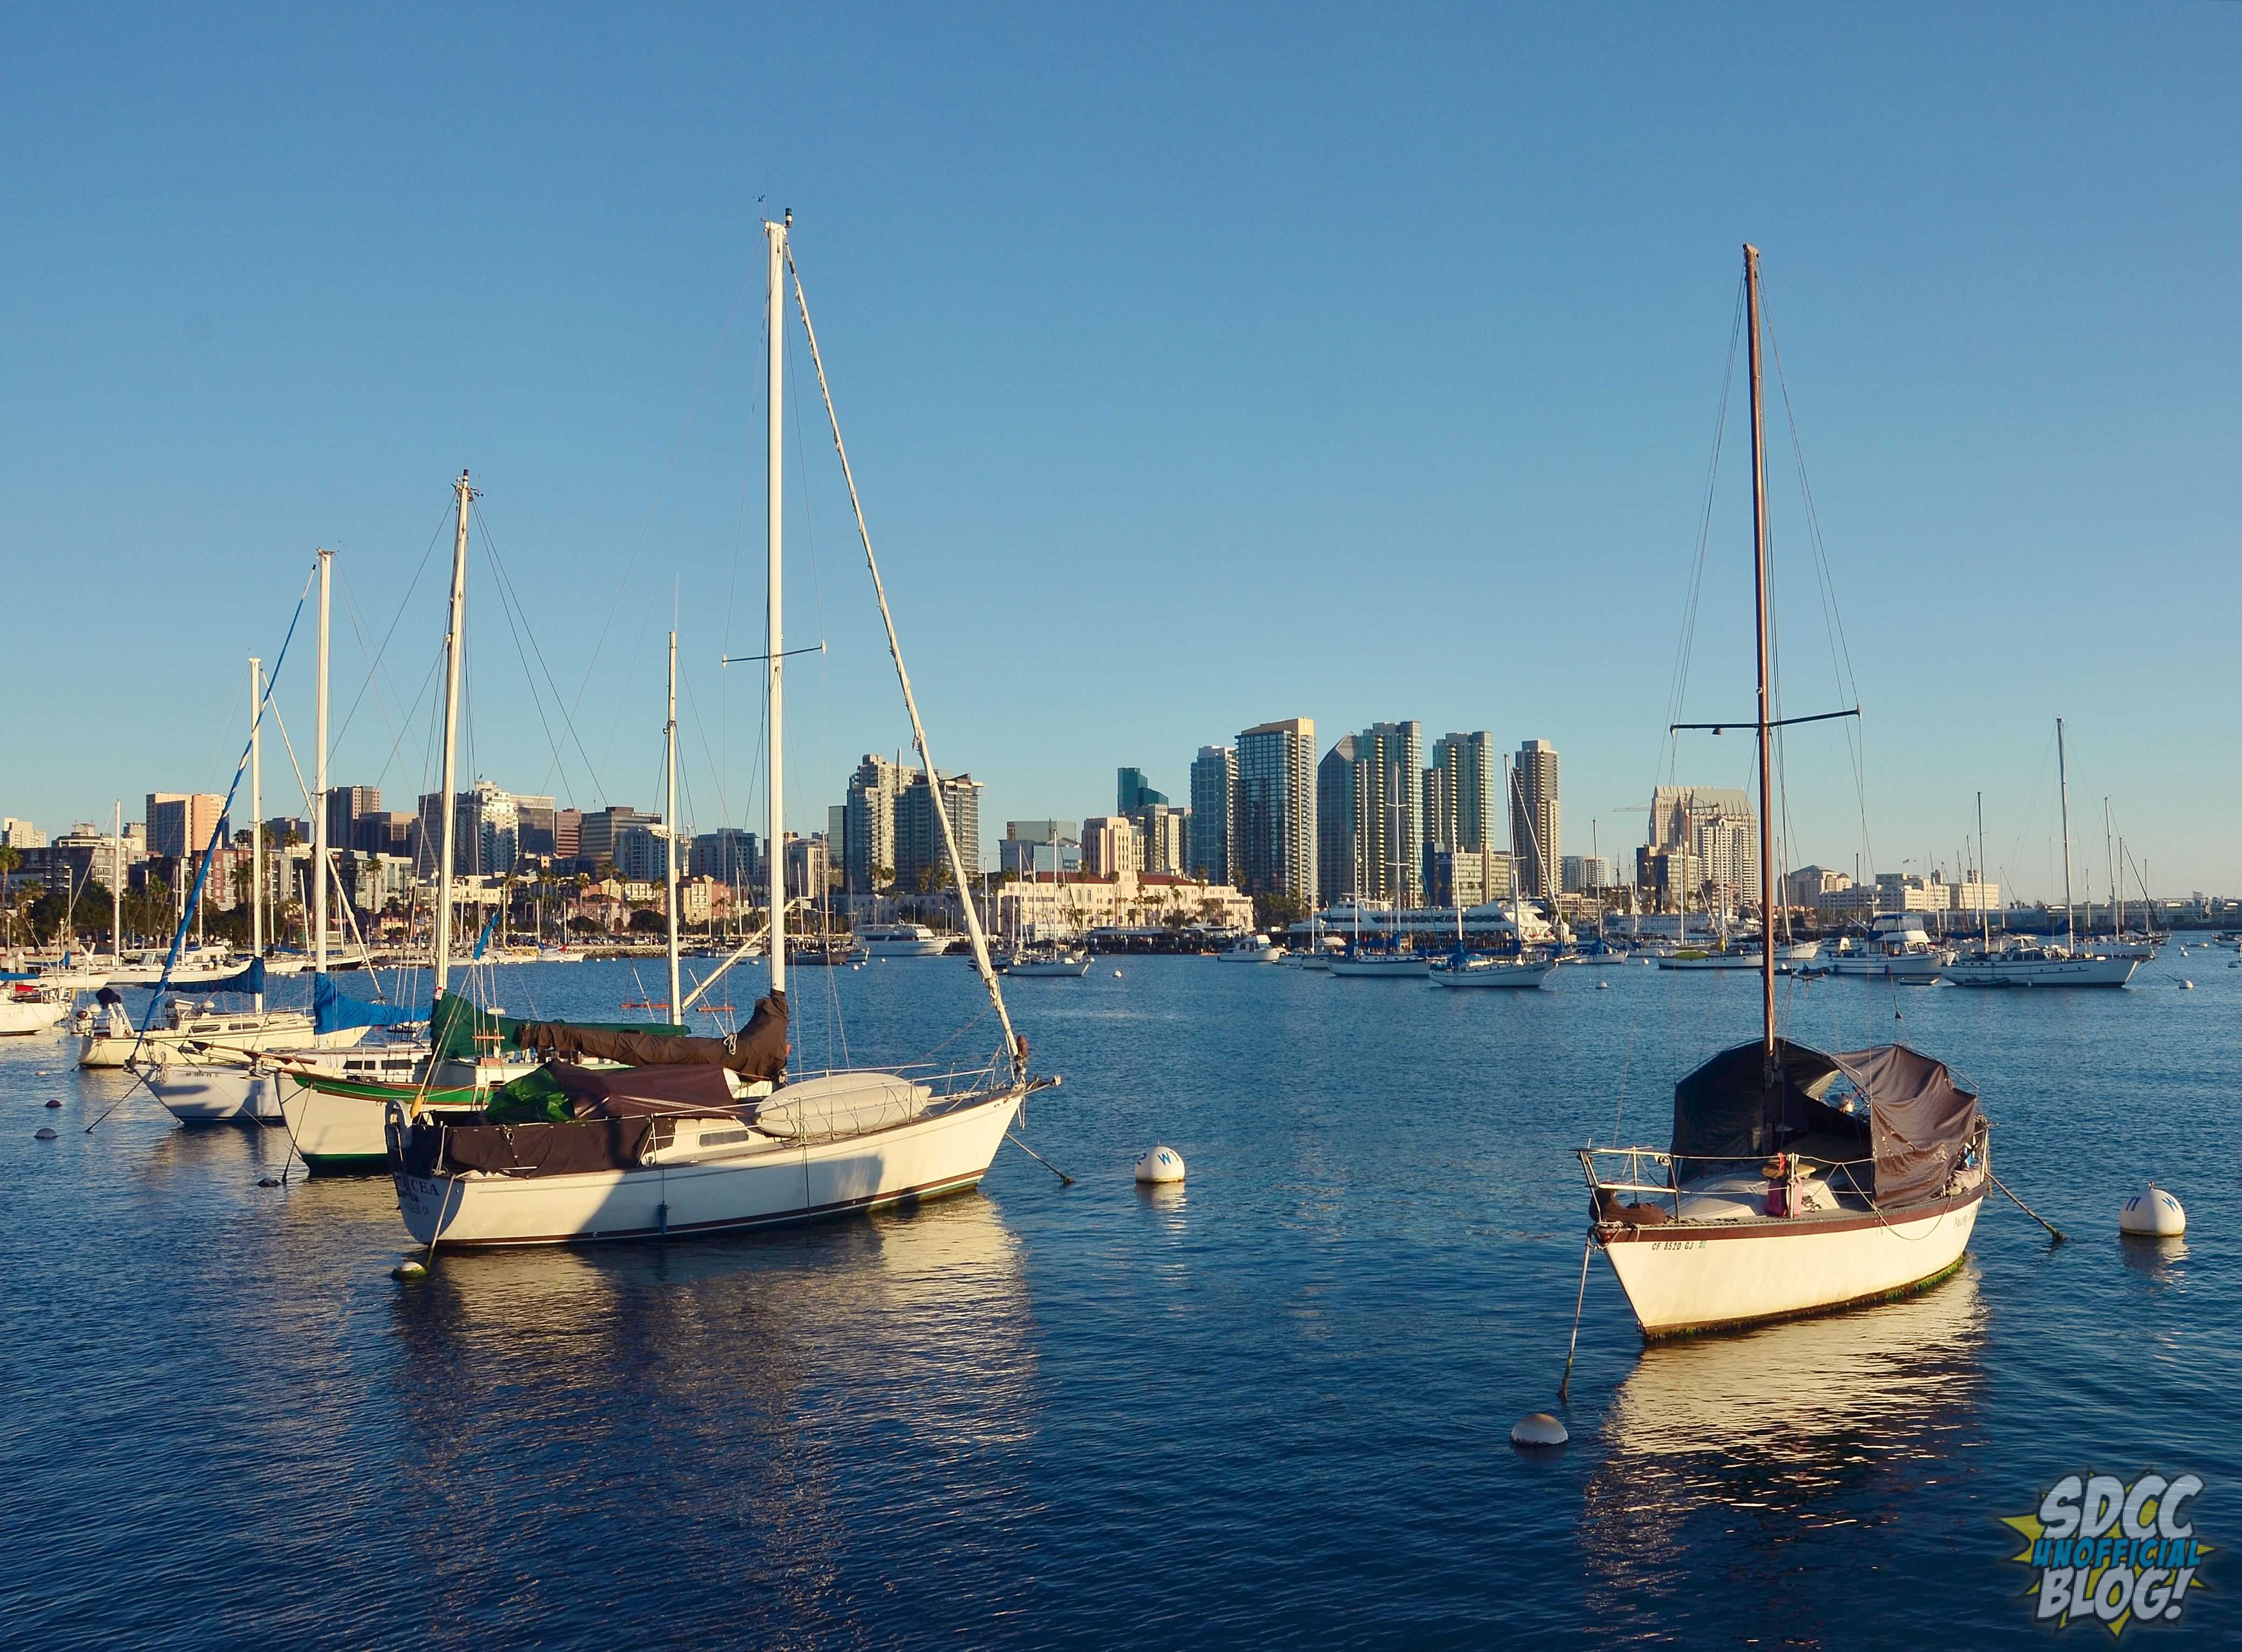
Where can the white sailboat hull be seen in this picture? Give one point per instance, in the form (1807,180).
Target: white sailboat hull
(212,1095)
(1401,969)
(775,1184)
(244,1034)
(1700,1277)
(32,1016)
(2042,972)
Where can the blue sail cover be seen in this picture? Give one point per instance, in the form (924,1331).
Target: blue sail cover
(333,1009)
(250,980)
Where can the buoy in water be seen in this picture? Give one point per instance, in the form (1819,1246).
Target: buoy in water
(411,1268)
(54,1103)
(2152,1214)
(1162,1164)
(1116,975)
(2187,986)
(1603,986)
(1539,1429)
(268,1181)
(43,1133)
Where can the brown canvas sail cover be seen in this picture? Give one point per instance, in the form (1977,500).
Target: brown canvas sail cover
(759,1051)
(1919,1120)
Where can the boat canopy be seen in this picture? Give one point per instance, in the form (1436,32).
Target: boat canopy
(460,1031)
(251,980)
(758,1051)
(333,1009)
(1919,1120)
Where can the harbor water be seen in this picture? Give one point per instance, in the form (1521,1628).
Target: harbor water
(1270,1407)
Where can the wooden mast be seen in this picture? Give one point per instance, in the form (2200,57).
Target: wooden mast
(1766,731)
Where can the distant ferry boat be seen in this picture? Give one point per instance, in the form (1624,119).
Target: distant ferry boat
(902,941)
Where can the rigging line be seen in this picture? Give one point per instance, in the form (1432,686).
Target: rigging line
(1679,689)
(403,602)
(506,607)
(676,445)
(911,703)
(511,593)
(381,705)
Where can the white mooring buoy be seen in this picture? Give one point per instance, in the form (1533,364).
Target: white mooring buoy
(2152,1214)
(1162,1164)
(411,1268)
(1538,1428)
(1603,986)
(2187,986)
(42,1134)
(1116,975)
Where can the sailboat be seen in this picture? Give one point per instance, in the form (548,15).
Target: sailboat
(704,1135)
(2023,964)
(1795,1181)
(1461,969)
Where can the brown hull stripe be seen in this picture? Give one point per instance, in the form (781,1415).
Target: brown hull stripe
(1781,1226)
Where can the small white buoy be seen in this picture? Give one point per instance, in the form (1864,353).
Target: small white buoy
(1539,1429)
(1162,1164)
(1116,975)
(2187,986)
(42,1134)
(1603,986)
(411,1268)
(2152,1214)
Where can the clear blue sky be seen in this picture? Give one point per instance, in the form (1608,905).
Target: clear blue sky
(1200,368)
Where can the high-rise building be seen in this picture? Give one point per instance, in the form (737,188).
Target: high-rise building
(1586,874)
(494,827)
(1110,846)
(1338,869)
(382,833)
(867,844)
(597,833)
(808,867)
(1163,833)
(1213,832)
(1389,838)
(21,834)
(921,862)
(728,855)
(567,834)
(1713,827)
(1462,785)
(1275,810)
(1536,820)
(1132,792)
(536,835)
(180,824)
(641,850)
(346,806)
(1032,846)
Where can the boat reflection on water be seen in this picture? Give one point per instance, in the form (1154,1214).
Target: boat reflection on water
(1725,1449)
(776,1404)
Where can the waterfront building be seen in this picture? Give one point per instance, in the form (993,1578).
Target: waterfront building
(1911,892)
(567,834)
(1386,823)
(21,834)
(641,850)
(868,840)
(598,830)
(180,824)
(535,829)
(1213,839)
(1974,896)
(1460,788)
(808,867)
(1339,868)
(1536,819)
(1040,846)
(1275,810)
(346,806)
(1049,905)
(1468,877)
(1809,884)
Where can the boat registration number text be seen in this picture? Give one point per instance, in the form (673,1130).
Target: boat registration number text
(1677,1245)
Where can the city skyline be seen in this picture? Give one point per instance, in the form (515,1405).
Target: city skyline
(1277,503)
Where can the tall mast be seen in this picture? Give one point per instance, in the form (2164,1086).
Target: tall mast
(256,814)
(117,888)
(669,827)
(2063,780)
(1984,917)
(320,784)
(1759,594)
(454,639)
(774,326)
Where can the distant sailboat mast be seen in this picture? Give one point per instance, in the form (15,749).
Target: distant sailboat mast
(255,816)
(2062,782)
(1759,590)
(454,640)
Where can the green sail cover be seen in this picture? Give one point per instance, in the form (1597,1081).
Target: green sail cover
(460,1031)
